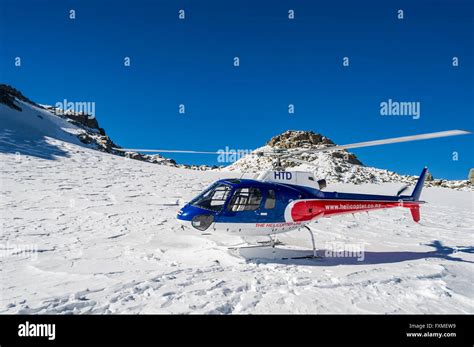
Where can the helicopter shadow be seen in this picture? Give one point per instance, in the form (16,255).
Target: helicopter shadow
(284,256)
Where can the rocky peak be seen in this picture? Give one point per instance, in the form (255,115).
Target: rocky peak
(293,139)
(298,139)
(8,95)
(79,119)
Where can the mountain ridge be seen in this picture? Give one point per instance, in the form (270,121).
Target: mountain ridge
(335,166)
(90,133)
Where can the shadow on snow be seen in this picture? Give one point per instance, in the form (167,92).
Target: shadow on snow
(268,255)
(34,144)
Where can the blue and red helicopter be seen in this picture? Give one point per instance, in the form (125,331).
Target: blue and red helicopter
(279,201)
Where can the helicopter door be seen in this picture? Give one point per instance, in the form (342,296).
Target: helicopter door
(245,204)
(270,201)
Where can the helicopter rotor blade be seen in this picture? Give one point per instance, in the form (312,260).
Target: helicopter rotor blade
(381,142)
(164,151)
(286,154)
(138,150)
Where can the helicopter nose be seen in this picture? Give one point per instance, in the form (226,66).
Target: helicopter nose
(184,214)
(195,217)
(184,218)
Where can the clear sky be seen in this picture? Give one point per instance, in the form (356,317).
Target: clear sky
(282,62)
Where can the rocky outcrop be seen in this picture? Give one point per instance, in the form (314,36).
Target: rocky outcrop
(335,166)
(8,95)
(80,119)
(95,135)
(297,139)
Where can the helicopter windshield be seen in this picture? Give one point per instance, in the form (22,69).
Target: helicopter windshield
(213,198)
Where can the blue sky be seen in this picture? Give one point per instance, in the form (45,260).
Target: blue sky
(282,62)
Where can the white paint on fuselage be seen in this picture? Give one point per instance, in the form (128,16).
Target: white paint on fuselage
(255,229)
(249,229)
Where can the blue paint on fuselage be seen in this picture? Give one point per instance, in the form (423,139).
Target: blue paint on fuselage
(285,193)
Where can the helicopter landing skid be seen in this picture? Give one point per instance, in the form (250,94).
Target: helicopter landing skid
(260,244)
(312,240)
(317,257)
(246,247)
(272,243)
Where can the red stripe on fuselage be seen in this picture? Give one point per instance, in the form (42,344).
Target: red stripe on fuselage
(310,209)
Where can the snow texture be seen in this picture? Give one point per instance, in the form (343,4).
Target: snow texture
(83,231)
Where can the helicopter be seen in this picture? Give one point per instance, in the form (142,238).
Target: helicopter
(279,201)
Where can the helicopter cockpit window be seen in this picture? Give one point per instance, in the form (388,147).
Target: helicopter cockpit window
(214,198)
(246,199)
(271,200)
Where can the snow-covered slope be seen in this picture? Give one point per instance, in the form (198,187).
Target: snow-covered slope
(84,231)
(34,122)
(335,167)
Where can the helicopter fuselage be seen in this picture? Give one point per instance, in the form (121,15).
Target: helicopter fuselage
(253,207)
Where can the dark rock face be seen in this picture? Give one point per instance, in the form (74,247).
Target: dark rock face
(84,119)
(102,142)
(79,119)
(309,139)
(349,157)
(155,158)
(8,95)
(86,138)
(8,100)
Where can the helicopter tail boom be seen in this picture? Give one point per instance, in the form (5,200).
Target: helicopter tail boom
(343,203)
